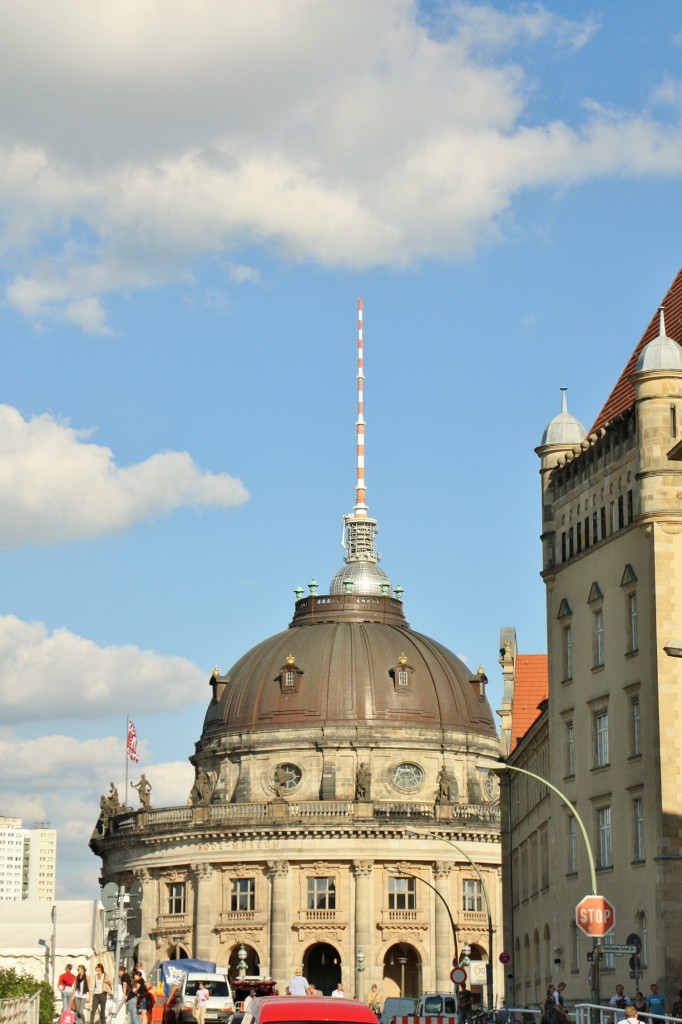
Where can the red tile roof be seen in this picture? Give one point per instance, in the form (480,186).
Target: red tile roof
(623,395)
(530,688)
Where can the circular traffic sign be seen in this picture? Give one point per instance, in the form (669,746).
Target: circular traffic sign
(135,894)
(505,958)
(110,896)
(458,976)
(633,939)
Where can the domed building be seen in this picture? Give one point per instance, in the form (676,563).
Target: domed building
(337,821)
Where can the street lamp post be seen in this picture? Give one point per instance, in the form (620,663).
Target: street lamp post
(503,766)
(359,966)
(402,960)
(484,888)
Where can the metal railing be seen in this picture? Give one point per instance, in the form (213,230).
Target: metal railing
(20,1009)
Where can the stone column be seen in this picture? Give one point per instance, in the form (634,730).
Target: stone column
(146,947)
(364,915)
(279,932)
(205,945)
(444,945)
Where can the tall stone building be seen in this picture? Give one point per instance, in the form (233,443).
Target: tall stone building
(337,820)
(609,738)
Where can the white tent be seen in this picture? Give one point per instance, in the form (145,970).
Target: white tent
(78,933)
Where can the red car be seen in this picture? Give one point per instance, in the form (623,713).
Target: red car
(301,1009)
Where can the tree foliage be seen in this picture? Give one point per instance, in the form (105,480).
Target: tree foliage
(13,984)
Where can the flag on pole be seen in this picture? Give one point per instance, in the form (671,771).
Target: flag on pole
(131,742)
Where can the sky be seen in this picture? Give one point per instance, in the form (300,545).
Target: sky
(193,196)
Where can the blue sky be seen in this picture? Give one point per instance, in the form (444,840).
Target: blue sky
(190,209)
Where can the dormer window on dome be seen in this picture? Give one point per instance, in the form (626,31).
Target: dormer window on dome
(402,674)
(289,675)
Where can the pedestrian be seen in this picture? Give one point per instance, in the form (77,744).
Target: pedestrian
(655,1001)
(247,1002)
(338,992)
(550,1007)
(100,988)
(145,1000)
(466,1005)
(129,996)
(374,1000)
(312,991)
(298,986)
(80,993)
(200,1000)
(65,985)
(559,993)
(619,1001)
(631,1013)
(640,1003)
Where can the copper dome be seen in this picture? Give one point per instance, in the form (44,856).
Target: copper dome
(348,659)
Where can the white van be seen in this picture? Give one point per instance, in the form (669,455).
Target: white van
(220,1003)
(436,1004)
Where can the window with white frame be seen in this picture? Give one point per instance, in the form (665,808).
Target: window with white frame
(242,894)
(544,859)
(401,894)
(321,894)
(567,638)
(598,629)
(633,642)
(570,749)
(472,895)
(176,897)
(601,739)
(638,827)
(604,837)
(635,727)
(572,846)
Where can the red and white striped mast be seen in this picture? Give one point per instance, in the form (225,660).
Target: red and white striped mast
(359,529)
(360,489)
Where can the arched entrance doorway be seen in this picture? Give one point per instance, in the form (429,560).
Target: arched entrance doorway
(322,968)
(177,952)
(244,962)
(402,971)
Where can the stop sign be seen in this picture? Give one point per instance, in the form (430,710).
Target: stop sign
(595,916)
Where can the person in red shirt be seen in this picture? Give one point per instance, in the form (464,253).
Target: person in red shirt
(65,985)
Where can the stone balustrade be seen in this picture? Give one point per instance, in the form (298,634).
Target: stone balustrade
(485,816)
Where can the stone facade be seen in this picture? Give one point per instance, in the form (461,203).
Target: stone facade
(610,738)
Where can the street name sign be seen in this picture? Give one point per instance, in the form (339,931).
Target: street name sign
(619,949)
(595,916)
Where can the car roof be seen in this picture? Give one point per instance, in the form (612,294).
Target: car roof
(318,1008)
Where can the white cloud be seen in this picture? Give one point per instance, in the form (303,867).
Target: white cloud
(57,486)
(87,682)
(60,779)
(351,134)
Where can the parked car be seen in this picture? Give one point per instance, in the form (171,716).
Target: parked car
(220,1005)
(297,1009)
(397,1006)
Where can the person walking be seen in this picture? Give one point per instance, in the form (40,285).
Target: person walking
(619,1001)
(298,986)
(655,1001)
(338,992)
(200,1000)
(100,989)
(65,985)
(80,993)
(549,1007)
(466,1005)
(640,1003)
(374,1000)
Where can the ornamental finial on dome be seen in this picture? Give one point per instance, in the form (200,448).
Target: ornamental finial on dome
(359,531)
(564,429)
(662,353)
